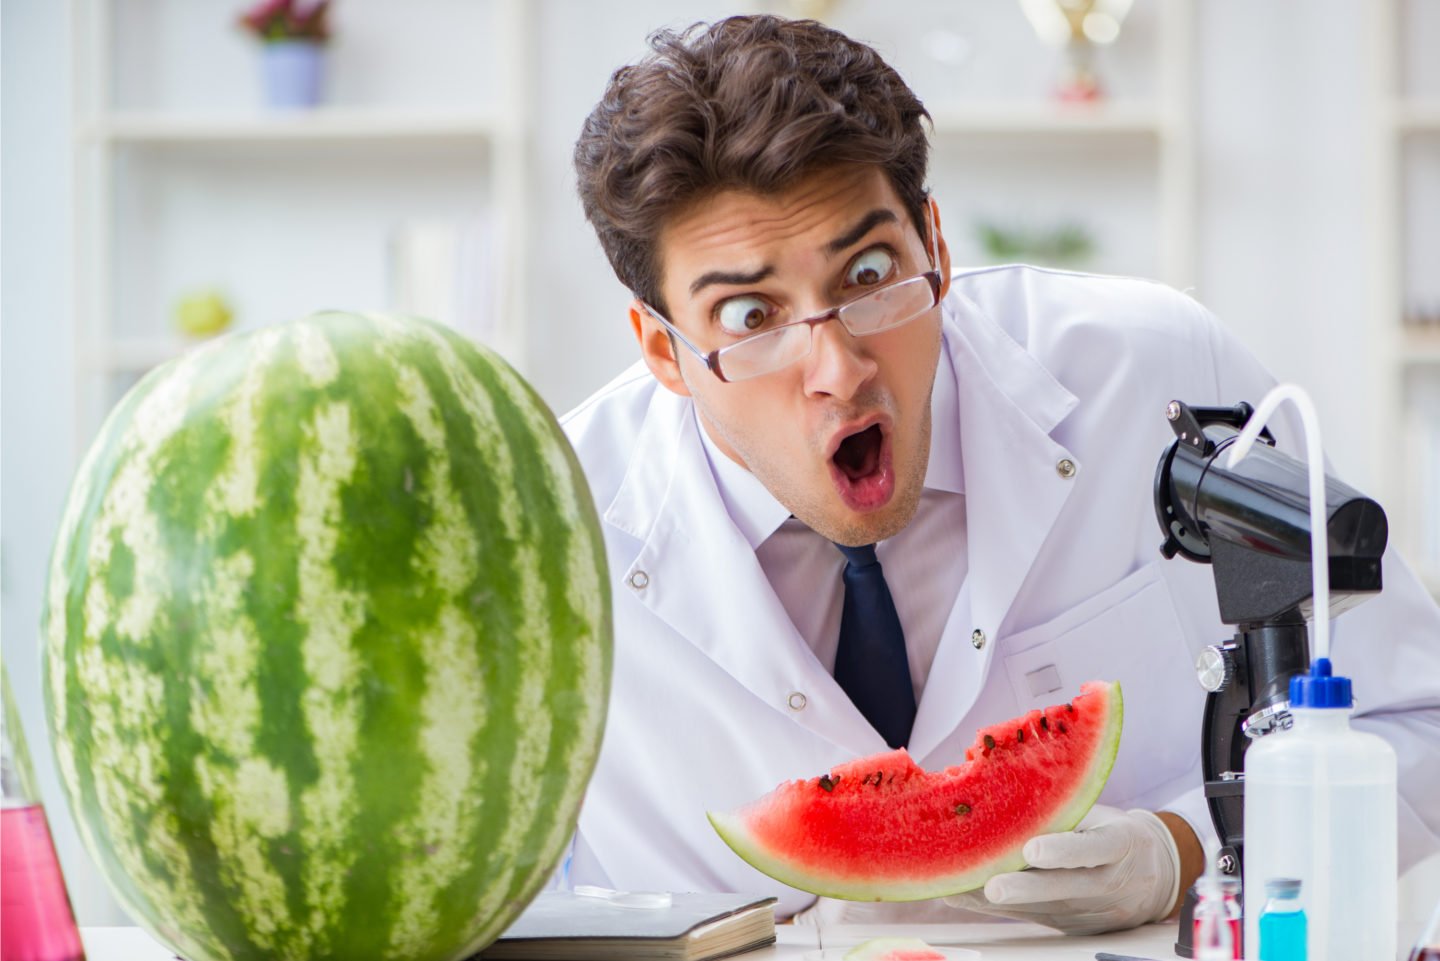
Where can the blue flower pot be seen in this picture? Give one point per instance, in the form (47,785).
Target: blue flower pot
(294,73)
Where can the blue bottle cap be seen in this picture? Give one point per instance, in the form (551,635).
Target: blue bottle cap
(1282,887)
(1320,688)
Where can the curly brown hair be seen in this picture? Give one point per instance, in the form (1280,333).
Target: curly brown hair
(748,103)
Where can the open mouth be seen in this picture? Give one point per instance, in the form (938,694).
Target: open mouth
(861,471)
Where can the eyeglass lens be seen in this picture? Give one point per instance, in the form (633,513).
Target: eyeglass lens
(880,310)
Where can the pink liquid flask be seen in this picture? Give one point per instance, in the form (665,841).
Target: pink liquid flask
(36,922)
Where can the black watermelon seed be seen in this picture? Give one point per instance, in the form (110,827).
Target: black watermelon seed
(962,809)
(827,783)
(1020,735)
(989,743)
(1044,722)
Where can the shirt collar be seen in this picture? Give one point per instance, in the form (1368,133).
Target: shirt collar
(756,512)
(749,503)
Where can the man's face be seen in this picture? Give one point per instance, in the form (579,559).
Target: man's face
(841,437)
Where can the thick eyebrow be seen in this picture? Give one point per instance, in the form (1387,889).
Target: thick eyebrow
(722,277)
(869,222)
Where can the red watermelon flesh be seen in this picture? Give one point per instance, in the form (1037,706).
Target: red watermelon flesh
(881,828)
(893,949)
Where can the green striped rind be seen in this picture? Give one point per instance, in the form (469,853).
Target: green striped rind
(733,829)
(328,644)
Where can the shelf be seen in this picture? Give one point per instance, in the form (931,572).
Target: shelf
(1417,116)
(1419,346)
(135,355)
(327,125)
(1050,118)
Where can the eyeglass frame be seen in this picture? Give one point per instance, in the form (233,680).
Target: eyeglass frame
(711,360)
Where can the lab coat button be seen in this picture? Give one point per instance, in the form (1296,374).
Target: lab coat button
(1066,468)
(639,580)
(977,637)
(796,700)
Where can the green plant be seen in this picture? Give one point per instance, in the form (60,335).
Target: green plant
(1067,244)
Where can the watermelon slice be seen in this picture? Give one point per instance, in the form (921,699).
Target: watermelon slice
(883,829)
(893,949)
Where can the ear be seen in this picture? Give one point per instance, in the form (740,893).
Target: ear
(940,245)
(657,350)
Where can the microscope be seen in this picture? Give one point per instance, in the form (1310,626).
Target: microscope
(1251,523)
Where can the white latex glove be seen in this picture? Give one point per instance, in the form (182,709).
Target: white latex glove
(1117,869)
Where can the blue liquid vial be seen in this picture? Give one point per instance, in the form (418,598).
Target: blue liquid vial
(1282,922)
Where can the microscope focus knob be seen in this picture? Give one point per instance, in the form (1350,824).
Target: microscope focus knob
(1215,667)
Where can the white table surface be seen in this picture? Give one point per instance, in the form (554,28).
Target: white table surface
(995,942)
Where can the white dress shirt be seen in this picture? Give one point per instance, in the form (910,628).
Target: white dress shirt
(925,563)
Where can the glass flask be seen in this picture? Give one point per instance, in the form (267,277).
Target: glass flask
(38,922)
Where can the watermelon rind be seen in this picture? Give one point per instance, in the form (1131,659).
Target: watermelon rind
(732,828)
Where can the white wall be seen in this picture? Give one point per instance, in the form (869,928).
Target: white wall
(1283,146)
(1282,124)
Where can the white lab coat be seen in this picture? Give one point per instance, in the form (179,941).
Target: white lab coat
(717,699)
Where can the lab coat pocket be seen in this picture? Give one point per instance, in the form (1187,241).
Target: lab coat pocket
(1129,633)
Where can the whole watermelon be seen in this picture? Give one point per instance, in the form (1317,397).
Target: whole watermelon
(328,644)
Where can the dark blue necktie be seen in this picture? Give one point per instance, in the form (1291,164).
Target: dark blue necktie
(870,662)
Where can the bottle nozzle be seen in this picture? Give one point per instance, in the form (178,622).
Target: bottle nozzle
(1321,687)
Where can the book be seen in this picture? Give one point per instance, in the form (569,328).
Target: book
(562,926)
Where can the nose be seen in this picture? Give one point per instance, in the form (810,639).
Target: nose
(838,365)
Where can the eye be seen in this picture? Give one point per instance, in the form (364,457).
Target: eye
(743,315)
(870,268)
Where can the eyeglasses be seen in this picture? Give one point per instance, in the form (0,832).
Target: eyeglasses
(884,308)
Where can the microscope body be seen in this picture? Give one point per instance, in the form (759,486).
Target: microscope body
(1251,523)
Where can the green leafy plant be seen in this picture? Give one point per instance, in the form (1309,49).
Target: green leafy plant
(272,20)
(1067,244)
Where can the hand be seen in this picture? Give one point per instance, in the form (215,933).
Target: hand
(1117,869)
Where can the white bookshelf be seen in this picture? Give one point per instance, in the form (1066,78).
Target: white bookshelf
(185,181)
(323,124)
(1043,118)
(1405,246)
(1416,116)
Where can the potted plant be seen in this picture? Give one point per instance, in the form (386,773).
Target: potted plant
(293,34)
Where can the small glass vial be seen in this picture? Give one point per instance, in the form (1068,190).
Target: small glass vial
(1234,917)
(1214,935)
(1282,922)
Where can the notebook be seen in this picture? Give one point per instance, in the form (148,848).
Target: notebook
(561,926)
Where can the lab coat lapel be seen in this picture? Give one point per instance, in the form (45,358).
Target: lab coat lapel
(1014,489)
(701,577)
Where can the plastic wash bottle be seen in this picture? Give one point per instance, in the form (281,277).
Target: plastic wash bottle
(1320,806)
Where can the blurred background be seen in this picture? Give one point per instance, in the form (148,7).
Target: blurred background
(168,175)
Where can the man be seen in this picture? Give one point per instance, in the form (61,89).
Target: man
(815,381)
